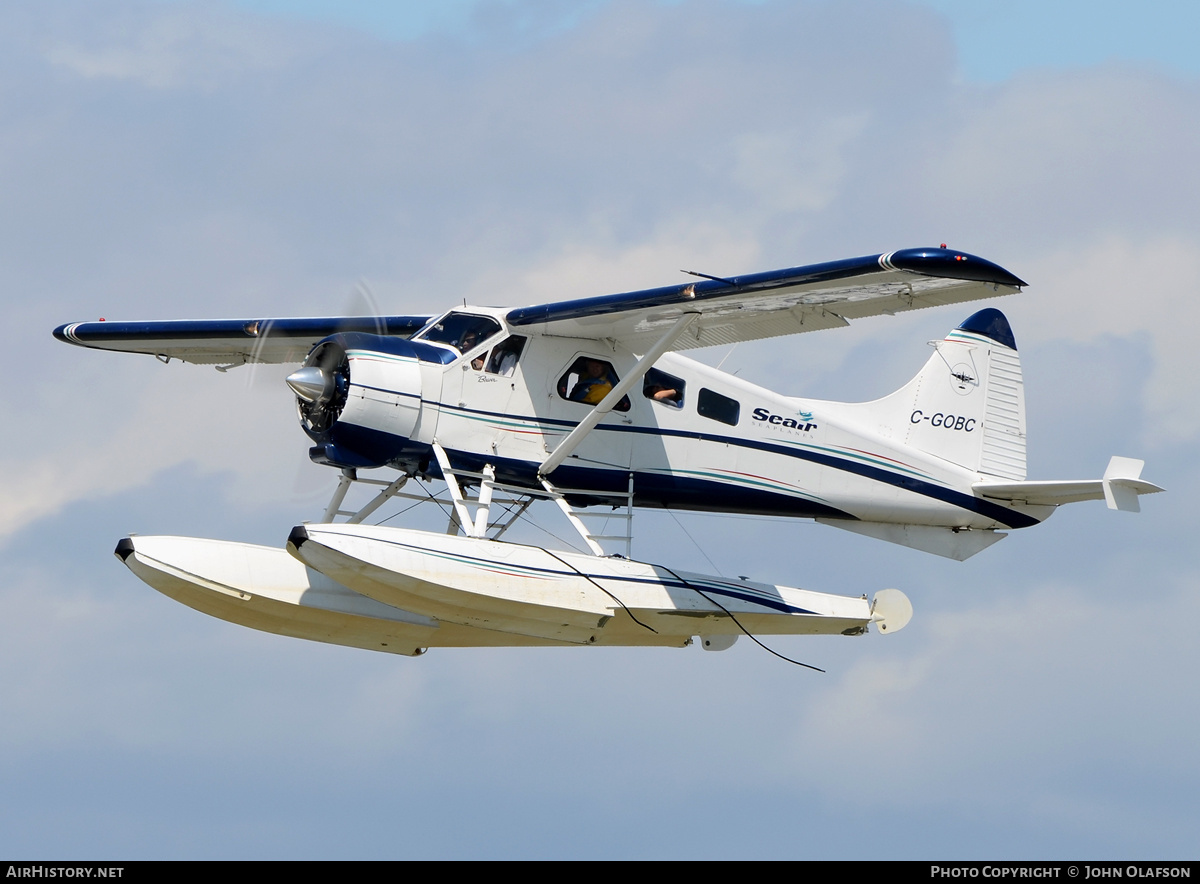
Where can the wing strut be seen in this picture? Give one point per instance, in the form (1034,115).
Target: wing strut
(585,426)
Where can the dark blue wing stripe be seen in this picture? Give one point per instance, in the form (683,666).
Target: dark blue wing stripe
(223,329)
(943,263)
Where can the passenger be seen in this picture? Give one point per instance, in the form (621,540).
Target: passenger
(504,361)
(595,382)
(659,393)
(505,356)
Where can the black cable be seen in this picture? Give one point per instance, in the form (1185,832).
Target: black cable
(729,614)
(449,514)
(508,508)
(624,607)
(603,590)
(528,518)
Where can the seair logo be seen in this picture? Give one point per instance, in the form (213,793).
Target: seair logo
(804,423)
(946,421)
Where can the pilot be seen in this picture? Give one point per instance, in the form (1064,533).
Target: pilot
(595,382)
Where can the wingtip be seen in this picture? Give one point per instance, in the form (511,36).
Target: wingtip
(952,264)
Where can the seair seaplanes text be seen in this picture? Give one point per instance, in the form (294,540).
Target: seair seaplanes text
(590,404)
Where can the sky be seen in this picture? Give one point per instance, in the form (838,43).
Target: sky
(206,159)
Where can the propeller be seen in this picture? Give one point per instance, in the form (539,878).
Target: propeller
(359,305)
(321,385)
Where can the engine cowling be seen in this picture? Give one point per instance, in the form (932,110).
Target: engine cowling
(358,397)
(321,386)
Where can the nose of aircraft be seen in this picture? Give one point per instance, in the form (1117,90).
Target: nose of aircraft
(311,384)
(358,396)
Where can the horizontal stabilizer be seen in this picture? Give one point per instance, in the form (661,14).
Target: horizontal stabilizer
(952,543)
(1120,488)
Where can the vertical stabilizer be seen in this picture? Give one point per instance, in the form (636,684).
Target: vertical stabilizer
(967,405)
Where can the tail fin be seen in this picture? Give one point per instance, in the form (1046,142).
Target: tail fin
(967,405)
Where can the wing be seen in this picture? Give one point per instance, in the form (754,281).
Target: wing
(779,302)
(229,341)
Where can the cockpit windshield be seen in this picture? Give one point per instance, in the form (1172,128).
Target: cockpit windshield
(462,331)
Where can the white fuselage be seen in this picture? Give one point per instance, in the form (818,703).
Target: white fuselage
(720,443)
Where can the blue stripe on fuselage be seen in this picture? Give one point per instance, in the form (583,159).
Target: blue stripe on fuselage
(688,493)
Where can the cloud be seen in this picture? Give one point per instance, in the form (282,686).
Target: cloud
(799,170)
(169,47)
(1025,699)
(1109,145)
(604,264)
(130,422)
(1119,287)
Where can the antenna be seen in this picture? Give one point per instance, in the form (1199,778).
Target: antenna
(707,276)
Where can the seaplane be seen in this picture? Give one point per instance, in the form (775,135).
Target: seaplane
(590,404)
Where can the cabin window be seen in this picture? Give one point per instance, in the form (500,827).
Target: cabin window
(505,356)
(663,387)
(717,407)
(462,331)
(588,381)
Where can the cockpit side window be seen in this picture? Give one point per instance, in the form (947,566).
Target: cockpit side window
(462,331)
(589,380)
(663,387)
(505,356)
